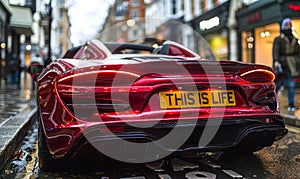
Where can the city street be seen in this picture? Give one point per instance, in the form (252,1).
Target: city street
(281,160)
(101,89)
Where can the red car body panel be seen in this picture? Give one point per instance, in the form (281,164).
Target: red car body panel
(63,78)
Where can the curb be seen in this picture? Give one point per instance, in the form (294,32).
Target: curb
(14,131)
(291,120)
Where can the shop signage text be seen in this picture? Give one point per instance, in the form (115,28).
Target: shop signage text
(294,7)
(253,18)
(210,23)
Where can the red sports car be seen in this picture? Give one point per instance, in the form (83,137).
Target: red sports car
(137,103)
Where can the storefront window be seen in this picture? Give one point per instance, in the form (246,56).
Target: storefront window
(264,37)
(296,28)
(259,24)
(219,44)
(248,45)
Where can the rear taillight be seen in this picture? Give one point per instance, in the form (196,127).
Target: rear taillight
(267,120)
(258,76)
(100,78)
(88,94)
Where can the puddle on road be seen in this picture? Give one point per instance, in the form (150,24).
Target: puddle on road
(24,161)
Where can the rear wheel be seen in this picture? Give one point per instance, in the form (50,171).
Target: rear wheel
(46,161)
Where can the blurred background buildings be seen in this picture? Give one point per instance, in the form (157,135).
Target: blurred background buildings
(241,30)
(30,27)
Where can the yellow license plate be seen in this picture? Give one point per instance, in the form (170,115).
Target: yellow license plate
(194,99)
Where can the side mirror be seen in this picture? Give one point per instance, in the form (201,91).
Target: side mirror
(35,69)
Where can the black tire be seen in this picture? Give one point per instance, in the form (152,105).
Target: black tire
(49,164)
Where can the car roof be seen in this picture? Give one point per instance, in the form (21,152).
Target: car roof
(114,48)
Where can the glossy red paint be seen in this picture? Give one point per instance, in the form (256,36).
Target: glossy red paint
(68,88)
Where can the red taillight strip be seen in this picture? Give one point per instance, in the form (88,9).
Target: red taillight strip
(260,70)
(62,103)
(97,72)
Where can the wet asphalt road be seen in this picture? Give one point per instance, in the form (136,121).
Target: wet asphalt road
(281,160)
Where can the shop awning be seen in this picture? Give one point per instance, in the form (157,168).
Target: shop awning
(6,6)
(21,20)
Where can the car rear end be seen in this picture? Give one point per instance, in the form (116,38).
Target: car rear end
(176,105)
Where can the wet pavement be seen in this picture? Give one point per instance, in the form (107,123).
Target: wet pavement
(291,117)
(281,160)
(17,108)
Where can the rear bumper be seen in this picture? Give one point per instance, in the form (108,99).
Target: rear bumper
(247,133)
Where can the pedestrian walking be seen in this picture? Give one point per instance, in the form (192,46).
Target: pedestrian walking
(13,71)
(34,62)
(286,60)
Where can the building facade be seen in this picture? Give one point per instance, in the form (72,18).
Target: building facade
(60,29)
(25,26)
(208,19)
(212,25)
(55,26)
(5,14)
(259,24)
(125,22)
(163,18)
(19,41)
(241,30)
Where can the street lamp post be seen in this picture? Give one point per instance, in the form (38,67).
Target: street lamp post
(49,35)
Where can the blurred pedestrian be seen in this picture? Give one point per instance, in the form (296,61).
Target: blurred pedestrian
(21,68)
(286,60)
(13,71)
(35,68)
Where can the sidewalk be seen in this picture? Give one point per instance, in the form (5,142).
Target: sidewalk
(291,117)
(18,108)
(17,114)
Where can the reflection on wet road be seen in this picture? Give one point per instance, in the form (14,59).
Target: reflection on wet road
(281,160)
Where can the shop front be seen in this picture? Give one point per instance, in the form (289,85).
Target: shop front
(259,24)
(5,13)
(212,25)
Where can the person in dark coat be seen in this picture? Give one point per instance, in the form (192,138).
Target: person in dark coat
(13,71)
(286,60)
